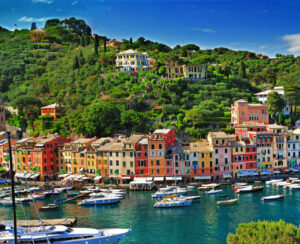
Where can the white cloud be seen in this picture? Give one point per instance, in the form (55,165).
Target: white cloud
(293,42)
(206,30)
(31,19)
(43,1)
(75,2)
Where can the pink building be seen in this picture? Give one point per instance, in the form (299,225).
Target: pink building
(220,142)
(242,112)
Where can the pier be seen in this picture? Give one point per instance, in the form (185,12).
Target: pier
(35,223)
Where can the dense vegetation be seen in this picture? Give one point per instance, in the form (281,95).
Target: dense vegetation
(73,68)
(265,232)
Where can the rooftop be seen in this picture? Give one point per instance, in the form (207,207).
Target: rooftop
(278,89)
(162,131)
(221,134)
(201,146)
(54,105)
(237,144)
(82,140)
(241,101)
(133,139)
(251,124)
(131,51)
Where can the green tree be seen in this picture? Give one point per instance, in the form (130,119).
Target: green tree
(276,103)
(104,44)
(76,63)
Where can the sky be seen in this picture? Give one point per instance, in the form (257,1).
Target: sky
(263,26)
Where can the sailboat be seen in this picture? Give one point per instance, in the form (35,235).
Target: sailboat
(57,234)
(173,202)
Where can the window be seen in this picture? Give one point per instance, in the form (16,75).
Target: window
(117,162)
(123,154)
(152,146)
(110,162)
(110,153)
(216,151)
(210,155)
(226,150)
(131,154)
(157,171)
(152,153)
(157,162)
(131,163)
(194,154)
(160,146)
(217,160)
(124,164)
(202,164)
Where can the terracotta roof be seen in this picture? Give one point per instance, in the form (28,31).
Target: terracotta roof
(82,140)
(221,134)
(241,101)
(162,131)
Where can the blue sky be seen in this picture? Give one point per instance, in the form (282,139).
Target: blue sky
(263,26)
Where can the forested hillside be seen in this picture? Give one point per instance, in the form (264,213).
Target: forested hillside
(76,69)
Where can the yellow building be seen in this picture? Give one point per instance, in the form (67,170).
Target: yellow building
(173,70)
(133,61)
(193,71)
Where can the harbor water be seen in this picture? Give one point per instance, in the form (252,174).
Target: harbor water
(202,222)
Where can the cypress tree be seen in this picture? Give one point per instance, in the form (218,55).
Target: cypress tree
(104,44)
(96,44)
(76,63)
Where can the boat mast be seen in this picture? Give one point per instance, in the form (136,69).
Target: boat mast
(12,175)
(175,177)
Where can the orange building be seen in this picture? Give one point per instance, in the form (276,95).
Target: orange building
(242,112)
(159,142)
(54,110)
(38,35)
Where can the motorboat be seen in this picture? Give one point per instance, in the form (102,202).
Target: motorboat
(36,197)
(228,202)
(114,191)
(6,202)
(49,207)
(100,201)
(61,234)
(169,191)
(271,182)
(99,194)
(190,198)
(213,191)
(249,189)
(271,198)
(208,186)
(295,187)
(190,188)
(172,203)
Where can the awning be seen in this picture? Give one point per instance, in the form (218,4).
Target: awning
(28,175)
(81,169)
(293,169)
(140,178)
(202,177)
(227,176)
(85,178)
(149,178)
(125,177)
(158,179)
(265,172)
(297,168)
(173,178)
(276,172)
(63,175)
(98,178)
(20,175)
(34,176)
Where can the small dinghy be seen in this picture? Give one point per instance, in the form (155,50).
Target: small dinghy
(49,207)
(271,198)
(227,202)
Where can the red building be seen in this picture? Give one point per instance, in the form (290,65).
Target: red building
(54,110)
(243,157)
(242,130)
(42,155)
(141,158)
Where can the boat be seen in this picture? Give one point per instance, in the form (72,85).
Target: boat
(295,187)
(100,201)
(6,202)
(172,203)
(190,188)
(61,234)
(208,186)
(227,202)
(191,198)
(213,191)
(73,194)
(36,197)
(249,189)
(49,207)
(257,182)
(274,197)
(169,191)
(271,182)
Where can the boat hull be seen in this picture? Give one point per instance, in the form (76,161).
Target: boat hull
(227,202)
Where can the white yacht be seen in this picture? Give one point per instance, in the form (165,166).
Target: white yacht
(59,234)
(169,191)
(100,201)
(172,203)
(271,182)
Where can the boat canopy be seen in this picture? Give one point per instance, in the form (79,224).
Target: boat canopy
(158,179)
(34,176)
(227,176)
(149,178)
(276,172)
(63,175)
(202,177)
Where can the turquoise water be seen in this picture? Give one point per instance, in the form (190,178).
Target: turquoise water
(203,222)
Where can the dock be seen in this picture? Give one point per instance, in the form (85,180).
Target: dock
(34,223)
